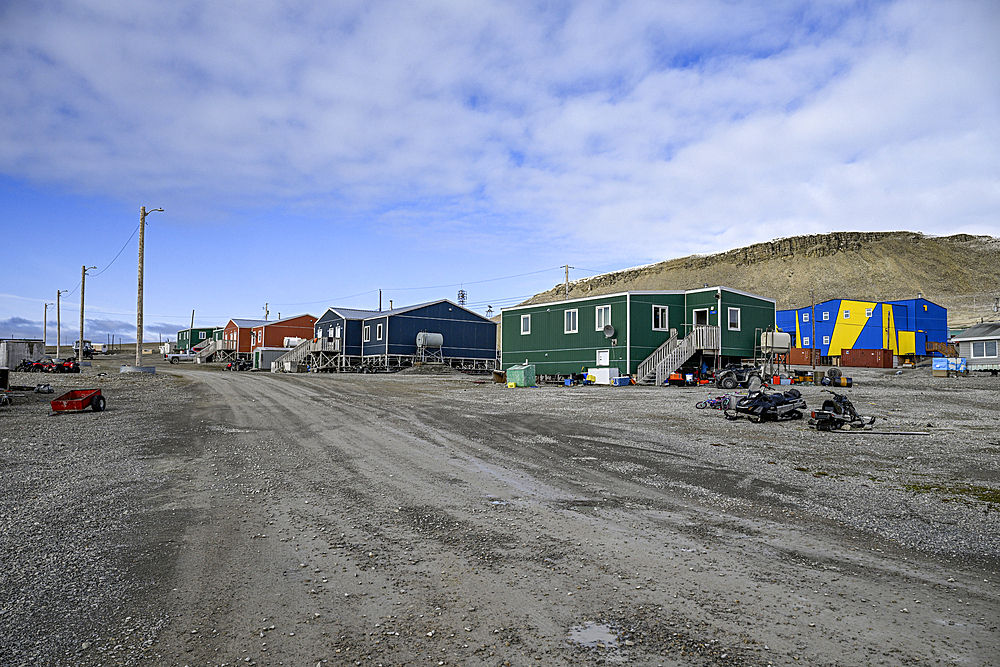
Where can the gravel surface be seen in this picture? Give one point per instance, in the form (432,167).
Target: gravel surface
(211,518)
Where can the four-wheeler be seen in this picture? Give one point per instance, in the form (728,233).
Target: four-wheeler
(733,376)
(837,413)
(65,366)
(759,406)
(239,365)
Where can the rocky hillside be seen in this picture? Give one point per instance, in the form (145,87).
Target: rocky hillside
(961,273)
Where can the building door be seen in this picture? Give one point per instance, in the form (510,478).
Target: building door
(701,317)
(604,357)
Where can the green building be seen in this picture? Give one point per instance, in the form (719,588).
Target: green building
(188,338)
(644,334)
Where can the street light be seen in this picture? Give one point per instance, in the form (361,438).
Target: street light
(83,286)
(45,327)
(138,318)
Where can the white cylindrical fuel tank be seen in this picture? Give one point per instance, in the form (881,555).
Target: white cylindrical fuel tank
(775,342)
(292,341)
(430,340)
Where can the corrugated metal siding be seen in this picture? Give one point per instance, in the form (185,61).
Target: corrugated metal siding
(755,314)
(555,352)
(466,334)
(643,339)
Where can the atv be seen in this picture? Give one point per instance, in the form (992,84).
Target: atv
(761,406)
(733,376)
(837,413)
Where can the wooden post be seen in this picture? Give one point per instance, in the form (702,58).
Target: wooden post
(83,285)
(138,317)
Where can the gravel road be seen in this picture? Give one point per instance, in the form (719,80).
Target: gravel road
(213,518)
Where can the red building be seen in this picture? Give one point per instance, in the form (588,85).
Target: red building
(267,339)
(236,336)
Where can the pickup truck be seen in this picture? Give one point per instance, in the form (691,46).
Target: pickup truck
(177,357)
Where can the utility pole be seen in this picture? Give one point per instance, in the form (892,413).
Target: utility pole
(266,313)
(812,319)
(45,326)
(567,267)
(192,323)
(59,293)
(138,317)
(83,286)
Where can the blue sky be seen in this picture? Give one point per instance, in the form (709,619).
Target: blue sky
(310,154)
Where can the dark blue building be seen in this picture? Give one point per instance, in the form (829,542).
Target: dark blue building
(393,333)
(345,324)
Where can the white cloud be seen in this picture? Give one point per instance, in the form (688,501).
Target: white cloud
(668,126)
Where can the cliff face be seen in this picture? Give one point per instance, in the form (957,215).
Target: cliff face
(961,273)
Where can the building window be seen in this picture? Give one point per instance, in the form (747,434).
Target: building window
(984,348)
(571,325)
(868,312)
(734,319)
(826,340)
(201,335)
(805,317)
(805,342)
(525,324)
(660,322)
(367,334)
(378,332)
(603,317)
(847,314)
(826,316)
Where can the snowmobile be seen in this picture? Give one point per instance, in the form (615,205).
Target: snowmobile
(760,406)
(837,413)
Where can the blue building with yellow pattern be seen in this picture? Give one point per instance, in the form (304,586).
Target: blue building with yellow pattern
(904,326)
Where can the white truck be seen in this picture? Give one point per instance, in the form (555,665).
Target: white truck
(177,357)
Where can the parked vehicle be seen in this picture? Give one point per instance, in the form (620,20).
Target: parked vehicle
(837,413)
(88,349)
(760,406)
(65,366)
(177,357)
(28,366)
(239,365)
(733,376)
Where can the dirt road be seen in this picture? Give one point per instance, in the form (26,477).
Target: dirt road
(415,520)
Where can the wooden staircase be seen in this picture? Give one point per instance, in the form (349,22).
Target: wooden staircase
(657,367)
(305,348)
(205,353)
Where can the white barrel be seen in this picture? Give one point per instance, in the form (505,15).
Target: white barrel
(428,340)
(775,342)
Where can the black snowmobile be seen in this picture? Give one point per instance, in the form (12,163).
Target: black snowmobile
(762,406)
(837,413)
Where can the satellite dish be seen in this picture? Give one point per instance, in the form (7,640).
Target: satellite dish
(609,331)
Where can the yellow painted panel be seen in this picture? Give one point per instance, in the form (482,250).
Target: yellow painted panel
(907,342)
(846,331)
(889,329)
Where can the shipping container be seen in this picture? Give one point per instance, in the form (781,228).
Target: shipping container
(867,358)
(799,356)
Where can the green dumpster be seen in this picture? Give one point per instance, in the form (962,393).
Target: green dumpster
(521,376)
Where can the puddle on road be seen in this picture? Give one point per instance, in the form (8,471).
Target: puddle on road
(594,635)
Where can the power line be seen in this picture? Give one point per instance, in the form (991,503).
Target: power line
(119,252)
(428,287)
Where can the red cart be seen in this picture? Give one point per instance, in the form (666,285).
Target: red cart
(79,399)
